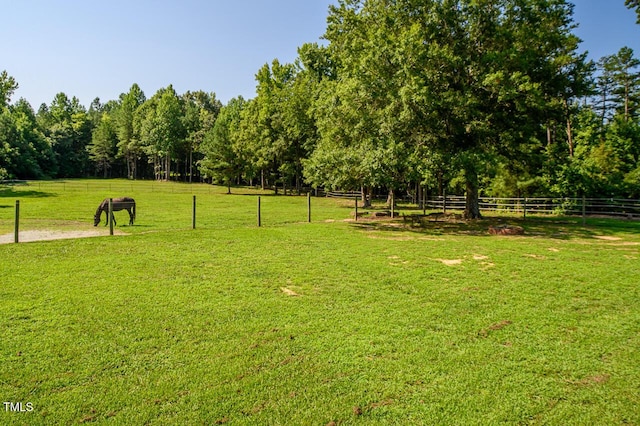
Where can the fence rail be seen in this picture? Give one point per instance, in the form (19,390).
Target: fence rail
(344,194)
(567,206)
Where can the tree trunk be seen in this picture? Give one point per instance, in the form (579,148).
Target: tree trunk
(570,137)
(626,102)
(472,204)
(262,179)
(366,196)
(390,199)
(569,130)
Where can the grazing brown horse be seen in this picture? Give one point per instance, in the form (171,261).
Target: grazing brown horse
(124,203)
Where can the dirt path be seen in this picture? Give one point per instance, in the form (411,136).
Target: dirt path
(47,234)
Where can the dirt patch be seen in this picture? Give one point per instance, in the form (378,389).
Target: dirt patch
(450,262)
(606,238)
(536,256)
(48,234)
(494,327)
(593,380)
(289,292)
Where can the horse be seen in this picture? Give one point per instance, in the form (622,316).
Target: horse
(123,203)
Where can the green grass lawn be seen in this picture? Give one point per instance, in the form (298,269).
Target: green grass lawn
(298,323)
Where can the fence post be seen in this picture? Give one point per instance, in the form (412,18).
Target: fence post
(356,216)
(424,201)
(584,210)
(259,218)
(309,207)
(524,209)
(110,218)
(193,216)
(17,224)
(393,204)
(444,203)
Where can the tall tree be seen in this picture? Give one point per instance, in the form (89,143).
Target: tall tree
(68,129)
(604,103)
(129,147)
(8,86)
(170,129)
(625,70)
(158,126)
(221,162)
(201,110)
(35,158)
(103,144)
(263,130)
(471,79)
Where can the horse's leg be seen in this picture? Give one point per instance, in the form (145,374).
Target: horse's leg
(130,216)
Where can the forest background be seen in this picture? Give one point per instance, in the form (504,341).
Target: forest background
(457,97)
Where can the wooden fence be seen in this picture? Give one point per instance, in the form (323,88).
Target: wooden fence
(613,207)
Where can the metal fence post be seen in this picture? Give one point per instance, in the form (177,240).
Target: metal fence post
(193,216)
(110,218)
(259,218)
(17,224)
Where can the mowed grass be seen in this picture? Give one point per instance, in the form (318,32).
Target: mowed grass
(333,321)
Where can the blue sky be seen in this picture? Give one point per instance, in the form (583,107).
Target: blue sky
(94,49)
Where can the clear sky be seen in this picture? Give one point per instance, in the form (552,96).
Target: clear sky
(99,49)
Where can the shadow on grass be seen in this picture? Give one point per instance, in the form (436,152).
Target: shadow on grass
(11,193)
(564,228)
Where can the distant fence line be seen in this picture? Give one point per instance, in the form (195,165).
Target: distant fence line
(138,186)
(615,207)
(171,187)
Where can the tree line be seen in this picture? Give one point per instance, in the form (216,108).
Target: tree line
(446,96)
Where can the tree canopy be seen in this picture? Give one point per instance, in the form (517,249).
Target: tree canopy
(474,97)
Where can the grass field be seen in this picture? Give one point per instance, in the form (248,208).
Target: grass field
(329,322)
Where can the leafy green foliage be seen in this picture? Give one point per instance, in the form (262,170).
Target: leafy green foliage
(631,4)
(474,97)
(102,149)
(221,161)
